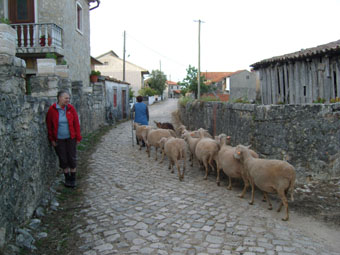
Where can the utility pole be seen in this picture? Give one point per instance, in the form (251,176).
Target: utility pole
(199,59)
(160,65)
(124,57)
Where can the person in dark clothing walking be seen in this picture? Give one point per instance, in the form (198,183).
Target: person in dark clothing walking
(64,133)
(141,111)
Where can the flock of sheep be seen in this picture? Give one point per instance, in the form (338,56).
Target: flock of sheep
(240,162)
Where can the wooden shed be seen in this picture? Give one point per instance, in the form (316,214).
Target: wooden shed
(306,76)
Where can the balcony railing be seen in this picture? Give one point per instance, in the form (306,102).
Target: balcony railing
(39,38)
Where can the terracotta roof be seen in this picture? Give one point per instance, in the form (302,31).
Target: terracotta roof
(332,47)
(171,83)
(108,78)
(222,97)
(177,91)
(217,76)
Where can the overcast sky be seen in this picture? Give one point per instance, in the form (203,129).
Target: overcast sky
(235,33)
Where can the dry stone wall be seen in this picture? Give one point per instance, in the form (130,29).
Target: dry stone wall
(307,136)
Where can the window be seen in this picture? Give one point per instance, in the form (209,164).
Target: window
(79,17)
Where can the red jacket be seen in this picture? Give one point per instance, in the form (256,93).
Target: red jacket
(52,119)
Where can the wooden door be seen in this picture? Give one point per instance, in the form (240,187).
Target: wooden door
(124,103)
(22,12)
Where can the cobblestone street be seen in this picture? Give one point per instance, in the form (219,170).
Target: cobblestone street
(134,205)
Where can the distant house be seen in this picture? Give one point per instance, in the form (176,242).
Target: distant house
(304,76)
(113,67)
(117,99)
(239,84)
(174,90)
(47,26)
(242,85)
(95,62)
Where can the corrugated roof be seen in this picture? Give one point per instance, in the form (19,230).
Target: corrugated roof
(323,49)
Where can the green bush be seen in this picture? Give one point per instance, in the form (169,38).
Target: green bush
(51,55)
(319,101)
(183,101)
(147,92)
(94,72)
(209,98)
(5,21)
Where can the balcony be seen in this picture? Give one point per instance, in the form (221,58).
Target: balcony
(35,40)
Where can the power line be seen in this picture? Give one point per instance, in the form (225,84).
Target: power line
(158,53)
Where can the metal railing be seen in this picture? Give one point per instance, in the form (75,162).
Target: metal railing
(42,35)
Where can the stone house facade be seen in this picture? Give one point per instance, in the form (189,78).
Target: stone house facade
(242,85)
(47,26)
(117,99)
(174,90)
(113,67)
(306,76)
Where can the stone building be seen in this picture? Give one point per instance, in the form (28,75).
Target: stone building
(174,90)
(238,84)
(306,76)
(47,26)
(113,67)
(242,85)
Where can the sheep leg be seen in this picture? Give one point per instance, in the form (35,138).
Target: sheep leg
(148,150)
(206,166)
(285,203)
(245,187)
(218,175)
(184,159)
(156,153)
(178,170)
(192,159)
(265,198)
(252,192)
(162,156)
(229,184)
(172,166)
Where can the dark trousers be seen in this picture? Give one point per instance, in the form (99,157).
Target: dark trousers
(66,150)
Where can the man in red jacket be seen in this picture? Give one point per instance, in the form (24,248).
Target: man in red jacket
(64,133)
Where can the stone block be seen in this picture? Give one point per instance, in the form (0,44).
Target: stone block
(43,86)
(13,85)
(8,38)
(46,66)
(62,71)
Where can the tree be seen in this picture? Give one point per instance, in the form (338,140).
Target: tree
(147,91)
(190,81)
(131,93)
(157,81)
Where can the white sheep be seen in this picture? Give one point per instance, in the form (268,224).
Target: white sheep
(192,142)
(141,133)
(231,167)
(175,149)
(153,137)
(205,151)
(269,175)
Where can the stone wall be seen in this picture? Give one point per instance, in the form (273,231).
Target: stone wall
(28,163)
(307,136)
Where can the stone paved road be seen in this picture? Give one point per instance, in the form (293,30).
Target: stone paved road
(134,205)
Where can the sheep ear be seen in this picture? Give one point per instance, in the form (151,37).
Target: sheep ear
(238,153)
(248,147)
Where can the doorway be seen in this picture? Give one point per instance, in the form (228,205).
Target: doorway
(22,12)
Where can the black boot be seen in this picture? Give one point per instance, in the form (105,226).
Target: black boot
(67,180)
(73,180)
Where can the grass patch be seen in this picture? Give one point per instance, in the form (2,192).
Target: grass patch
(183,101)
(209,99)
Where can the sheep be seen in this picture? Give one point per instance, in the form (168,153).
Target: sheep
(205,151)
(141,131)
(192,142)
(153,137)
(180,130)
(175,149)
(231,167)
(164,125)
(269,175)
(196,133)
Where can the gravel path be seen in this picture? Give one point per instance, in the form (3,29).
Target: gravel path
(134,205)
